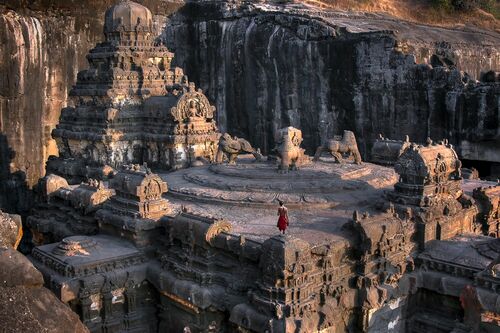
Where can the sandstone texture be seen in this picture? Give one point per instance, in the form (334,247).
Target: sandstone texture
(43,48)
(369,248)
(25,305)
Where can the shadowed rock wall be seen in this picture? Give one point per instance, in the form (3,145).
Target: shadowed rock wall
(25,305)
(268,68)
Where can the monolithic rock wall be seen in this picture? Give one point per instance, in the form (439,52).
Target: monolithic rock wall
(38,64)
(43,48)
(267,68)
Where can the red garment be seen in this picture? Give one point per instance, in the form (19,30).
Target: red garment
(283,219)
(282,223)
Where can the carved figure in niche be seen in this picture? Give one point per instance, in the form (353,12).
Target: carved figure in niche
(288,149)
(283,221)
(337,148)
(194,110)
(193,105)
(152,190)
(232,147)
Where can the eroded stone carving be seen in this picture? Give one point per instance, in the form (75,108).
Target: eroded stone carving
(137,206)
(25,305)
(193,106)
(132,106)
(426,173)
(66,210)
(386,151)
(338,147)
(231,147)
(291,156)
(157,265)
(488,199)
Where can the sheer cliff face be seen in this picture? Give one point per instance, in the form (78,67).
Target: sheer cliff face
(42,51)
(266,69)
(38,61)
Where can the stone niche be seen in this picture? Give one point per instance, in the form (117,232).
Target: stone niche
(132,106)
(134,212)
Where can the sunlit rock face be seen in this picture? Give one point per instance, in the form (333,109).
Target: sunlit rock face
(269,67)
(42,51)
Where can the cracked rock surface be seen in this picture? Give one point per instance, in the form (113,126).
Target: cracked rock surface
(25,305)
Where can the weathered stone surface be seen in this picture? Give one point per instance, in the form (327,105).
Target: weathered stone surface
(386,151)
(216,263)
(20,271)
(288,149)
(135,210)
(131,105)
(340,146)
(320,184)
(359,255)
(42,51)
(269,67)
(28,309)
(488,200)
(25,305)
(256,65)
(229,148)
(11,230)
(66,210)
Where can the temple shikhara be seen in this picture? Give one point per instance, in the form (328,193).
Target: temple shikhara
(151,220)
(132,106)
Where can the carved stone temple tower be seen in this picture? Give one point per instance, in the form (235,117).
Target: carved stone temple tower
(131,105)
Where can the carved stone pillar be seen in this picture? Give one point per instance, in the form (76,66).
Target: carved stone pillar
(191,154)
(131,296)
(108,305)
(85,303)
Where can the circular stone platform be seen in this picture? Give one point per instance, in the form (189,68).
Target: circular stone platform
(320,197)
(249,183)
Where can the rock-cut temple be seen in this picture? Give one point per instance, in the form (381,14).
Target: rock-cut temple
(132,106)
(194,247)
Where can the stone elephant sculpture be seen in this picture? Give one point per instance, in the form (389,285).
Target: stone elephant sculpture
(231,147)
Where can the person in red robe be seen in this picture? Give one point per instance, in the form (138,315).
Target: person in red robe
(282,217)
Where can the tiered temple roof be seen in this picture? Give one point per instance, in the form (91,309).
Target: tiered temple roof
(132,105)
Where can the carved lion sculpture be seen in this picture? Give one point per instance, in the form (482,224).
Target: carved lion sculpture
(288,149)
(347,145)
(232,147)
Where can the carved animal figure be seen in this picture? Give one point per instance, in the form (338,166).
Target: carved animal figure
(232,147)
(288,149)
(347,145)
